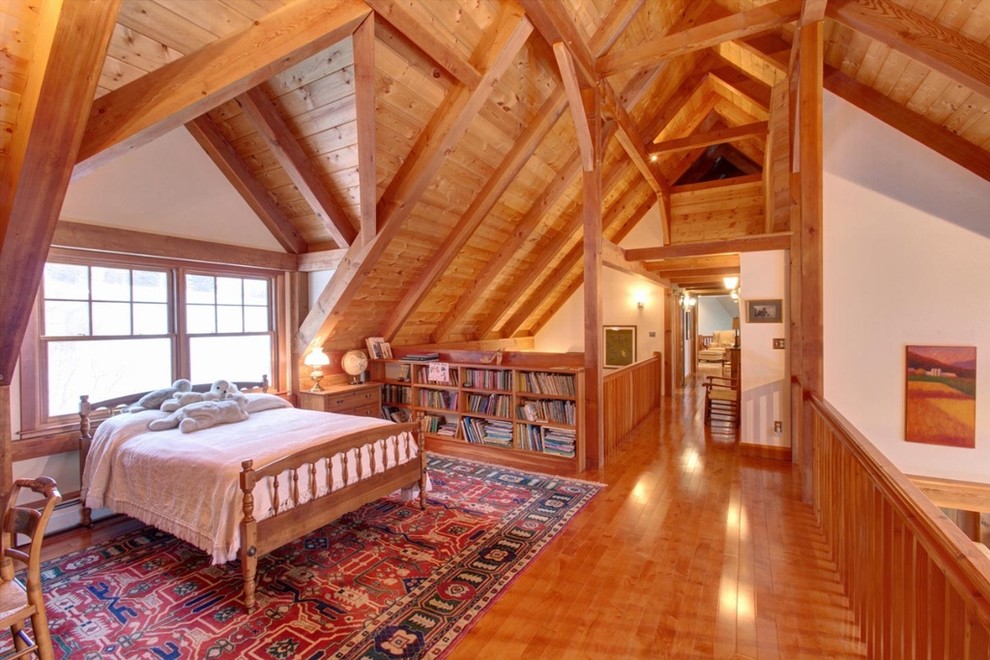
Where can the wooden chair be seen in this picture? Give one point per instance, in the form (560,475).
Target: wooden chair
(17,603)
(721,400)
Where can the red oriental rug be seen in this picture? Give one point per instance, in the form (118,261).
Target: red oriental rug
(387,581)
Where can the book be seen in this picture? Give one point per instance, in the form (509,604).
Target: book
(422,357)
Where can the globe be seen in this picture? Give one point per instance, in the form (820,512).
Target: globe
(354,363)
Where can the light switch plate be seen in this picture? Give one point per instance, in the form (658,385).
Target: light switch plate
(778,342)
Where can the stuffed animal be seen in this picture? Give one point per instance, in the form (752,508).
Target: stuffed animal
(155,398)
(204,414)
(218,392)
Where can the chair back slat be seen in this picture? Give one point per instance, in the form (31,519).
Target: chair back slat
(26,521)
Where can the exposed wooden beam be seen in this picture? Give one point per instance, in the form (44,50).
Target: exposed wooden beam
(757,243)
(78,235)
(555,26)
(571,262)
(546,254)
(184,89)
(426,40)
(735,80)
(674,274)
(446,127)
(738,26)
(367,141)
(70,47)
(576,105)
(568,264)
(240,177)
(520,236)
(812,11)
(613,257)
(932,135)
(290,155)
(322,260)
(606,35)
(513,162)
(946,51)
(632,142)
(756,129)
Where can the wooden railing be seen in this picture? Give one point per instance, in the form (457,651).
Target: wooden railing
(919,588)
(628,396)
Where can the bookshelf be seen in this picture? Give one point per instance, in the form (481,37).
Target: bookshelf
(525,415)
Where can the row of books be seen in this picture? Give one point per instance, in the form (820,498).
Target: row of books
(397,394)
(438,399)
(488,379)
(548,410)
(490,404)
(487,432)
(396,414)
(541,382)
(438,425)
(559,441)
(422,376)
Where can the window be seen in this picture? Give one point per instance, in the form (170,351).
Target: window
(107,328)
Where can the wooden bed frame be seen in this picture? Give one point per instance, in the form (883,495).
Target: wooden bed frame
(283,526)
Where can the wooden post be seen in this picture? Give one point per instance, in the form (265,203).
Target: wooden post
(810,159)
(670,309)
(6,464)
(594,425)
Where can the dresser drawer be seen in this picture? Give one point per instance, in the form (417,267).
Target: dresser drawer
(364,400)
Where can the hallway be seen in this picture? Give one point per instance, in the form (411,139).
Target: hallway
(691,551)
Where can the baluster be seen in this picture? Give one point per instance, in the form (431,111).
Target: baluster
(275,495)
(312,480)
(295,487)
(345,462)
(329,470)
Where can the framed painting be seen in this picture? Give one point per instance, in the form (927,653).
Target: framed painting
(620,345)
(763,311)
(940,400)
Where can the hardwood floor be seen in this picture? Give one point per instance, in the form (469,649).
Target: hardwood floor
(692,551)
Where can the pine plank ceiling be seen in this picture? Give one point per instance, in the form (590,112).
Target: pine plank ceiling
(429,150)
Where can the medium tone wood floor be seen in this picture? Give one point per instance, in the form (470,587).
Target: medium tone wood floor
(692,551)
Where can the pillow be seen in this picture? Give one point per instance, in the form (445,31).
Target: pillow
(256,402)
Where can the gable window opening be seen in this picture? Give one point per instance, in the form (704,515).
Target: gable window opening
(110,327)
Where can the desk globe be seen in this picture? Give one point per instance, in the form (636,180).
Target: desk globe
(354,363)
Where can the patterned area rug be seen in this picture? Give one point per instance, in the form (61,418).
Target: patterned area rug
(387,581)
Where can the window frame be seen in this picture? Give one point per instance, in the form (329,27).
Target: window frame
(35,423)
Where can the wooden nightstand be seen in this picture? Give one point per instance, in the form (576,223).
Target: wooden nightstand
(364,400)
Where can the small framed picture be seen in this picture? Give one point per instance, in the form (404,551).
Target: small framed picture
(619,345)
(763,311)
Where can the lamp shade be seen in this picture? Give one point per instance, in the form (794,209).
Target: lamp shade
(317,358)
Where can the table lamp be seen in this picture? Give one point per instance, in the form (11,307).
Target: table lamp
(317,359)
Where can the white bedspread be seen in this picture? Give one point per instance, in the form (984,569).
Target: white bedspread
(188,484)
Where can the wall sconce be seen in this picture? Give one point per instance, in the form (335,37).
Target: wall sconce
(730,282)
(640,304)
(317,359)
(687,301)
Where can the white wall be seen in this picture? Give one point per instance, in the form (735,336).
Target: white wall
(565,331)
(712,315)
(907,254)
(168,186)
(765,398)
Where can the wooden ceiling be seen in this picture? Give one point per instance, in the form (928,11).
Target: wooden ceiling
(429,149)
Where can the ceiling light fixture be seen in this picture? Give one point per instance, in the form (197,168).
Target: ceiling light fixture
(731,282)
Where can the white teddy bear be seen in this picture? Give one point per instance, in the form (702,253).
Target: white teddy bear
(204,414)
(219,391)
(153,399)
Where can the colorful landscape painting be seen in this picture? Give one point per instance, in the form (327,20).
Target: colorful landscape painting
(941,395)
